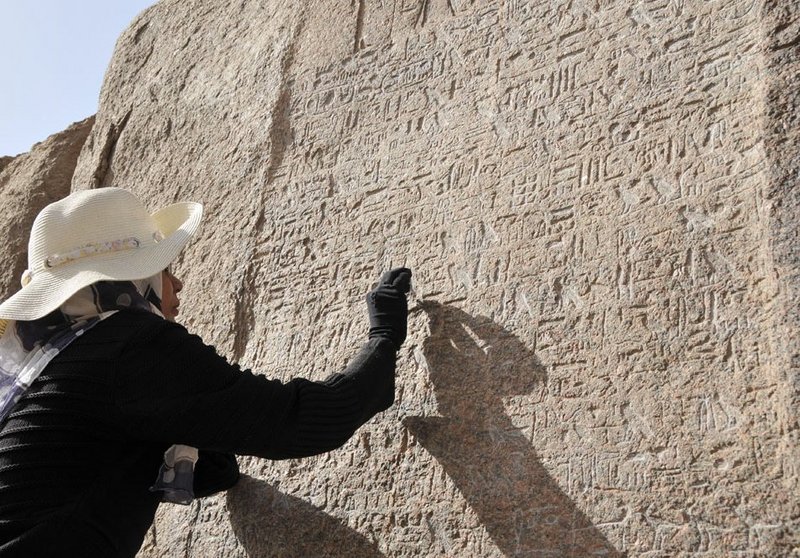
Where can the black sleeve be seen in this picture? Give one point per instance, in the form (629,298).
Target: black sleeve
(214,472)
(172,388)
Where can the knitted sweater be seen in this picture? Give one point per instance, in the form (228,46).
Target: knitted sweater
(80,450)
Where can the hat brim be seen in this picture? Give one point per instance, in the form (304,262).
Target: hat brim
(50,288)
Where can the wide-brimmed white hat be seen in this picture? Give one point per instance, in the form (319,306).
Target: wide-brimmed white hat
(97,235)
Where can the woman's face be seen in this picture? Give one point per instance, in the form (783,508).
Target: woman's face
(170,287)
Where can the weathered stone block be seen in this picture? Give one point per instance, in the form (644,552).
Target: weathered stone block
(28,182)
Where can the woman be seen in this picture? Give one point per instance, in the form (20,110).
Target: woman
(108,407)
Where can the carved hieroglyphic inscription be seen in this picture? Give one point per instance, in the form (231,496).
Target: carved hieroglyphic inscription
(587,178)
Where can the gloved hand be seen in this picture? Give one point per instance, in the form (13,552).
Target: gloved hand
(388,307)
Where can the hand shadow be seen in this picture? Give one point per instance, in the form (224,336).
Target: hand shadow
(474,363)
(272,524)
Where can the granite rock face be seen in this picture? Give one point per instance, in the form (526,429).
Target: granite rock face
(599,201)
(28,182)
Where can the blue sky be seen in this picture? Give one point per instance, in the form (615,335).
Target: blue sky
(54,54)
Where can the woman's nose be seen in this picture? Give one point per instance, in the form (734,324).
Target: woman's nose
(177,284)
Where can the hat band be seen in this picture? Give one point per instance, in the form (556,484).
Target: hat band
(93,249)
(85,251)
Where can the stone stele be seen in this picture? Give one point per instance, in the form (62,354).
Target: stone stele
(599,200)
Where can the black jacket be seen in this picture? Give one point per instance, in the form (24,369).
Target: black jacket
(80,450)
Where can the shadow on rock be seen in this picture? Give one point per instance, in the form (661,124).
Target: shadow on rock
(272,524)
(473,364)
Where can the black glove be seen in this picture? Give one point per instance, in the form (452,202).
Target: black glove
(388,308)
